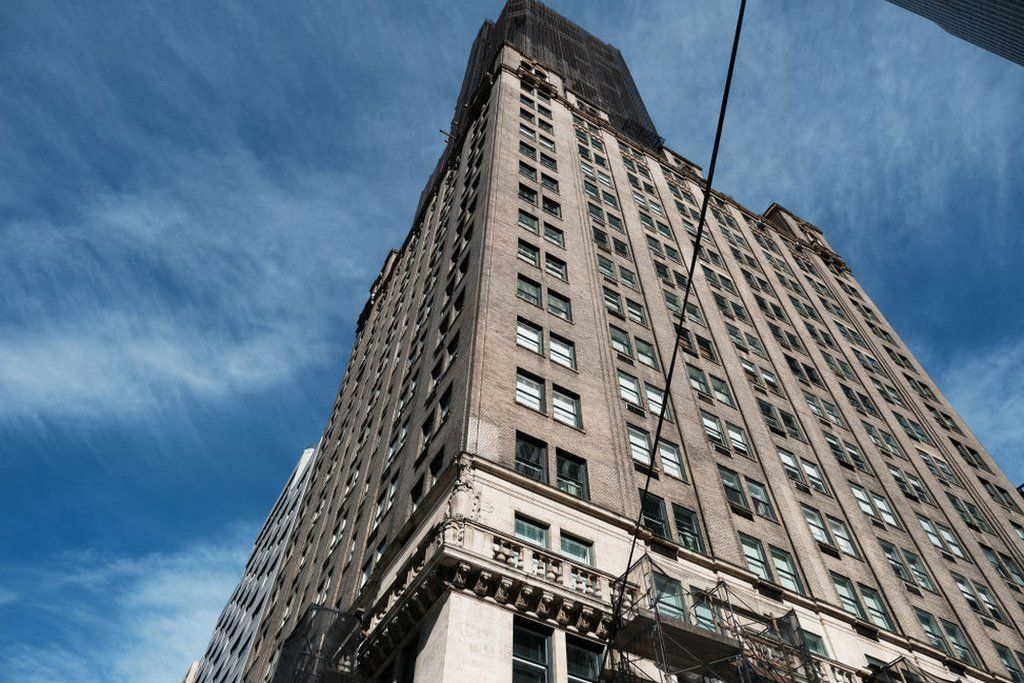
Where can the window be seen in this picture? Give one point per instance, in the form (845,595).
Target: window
(565,407)
(529,336)
(737,439)
(530,531)
(770,416)
(721,390)
(620,341)
(697,380)
(636,313)
(814,476)
(931,630)
(554,235)
(559,306)
(706,349)
(877,613)
(654,514)
(885,510)
(733,488)
(639,444)
(551,206)
(572,475)
(528,221)
(942,537)
(530,391)
(875,505)
(785,569)
(759,494)
(646,354)
(671,463)
(842,536)
(612,301)
(817,526)
(814,643)
(712,428)
(527,193)
(656,400)
(673,302)
(669,597)
(531,457)
(918,571)
(528,290)
(531,653)
(583,660)
(577,549)
(989,600)
(556,267)
(1011,664)
(957,640)
(629,388)
(563,351)
(789,464)
(979,598)
(688,528)
(847,596)
(528,171)
(753,552)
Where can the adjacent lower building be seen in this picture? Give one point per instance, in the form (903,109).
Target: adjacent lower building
(228,653)
(816,510)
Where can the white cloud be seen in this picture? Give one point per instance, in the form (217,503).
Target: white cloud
(226,280)
(139,619)
(987,389)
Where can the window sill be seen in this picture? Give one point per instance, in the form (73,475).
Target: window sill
(769,590)
(636,410)
(654,472)
(741,511)
(829,550)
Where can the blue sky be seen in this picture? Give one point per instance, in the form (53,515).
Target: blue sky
(195,197)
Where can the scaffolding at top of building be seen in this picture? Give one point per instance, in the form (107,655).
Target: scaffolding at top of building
(667,633)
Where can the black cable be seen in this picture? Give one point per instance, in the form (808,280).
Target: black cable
(617,610)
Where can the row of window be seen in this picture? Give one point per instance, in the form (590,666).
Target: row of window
(632,390)
(531,392)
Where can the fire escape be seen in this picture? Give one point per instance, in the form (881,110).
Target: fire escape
(705,635)
(902,670)
(321,649)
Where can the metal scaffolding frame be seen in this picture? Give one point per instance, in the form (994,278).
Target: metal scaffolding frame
(321,648)
(902,670)
(701,636)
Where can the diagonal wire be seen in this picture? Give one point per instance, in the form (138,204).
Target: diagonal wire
(617,610)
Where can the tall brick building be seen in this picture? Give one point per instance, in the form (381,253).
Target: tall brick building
(817,510)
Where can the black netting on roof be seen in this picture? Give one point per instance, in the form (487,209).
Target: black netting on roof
(592,69)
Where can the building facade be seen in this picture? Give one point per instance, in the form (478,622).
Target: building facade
(228,653)
(817,510)
(993,25)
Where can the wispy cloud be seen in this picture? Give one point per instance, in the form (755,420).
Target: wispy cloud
(187,215)
(987,388)
(120,618)
(223,281)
